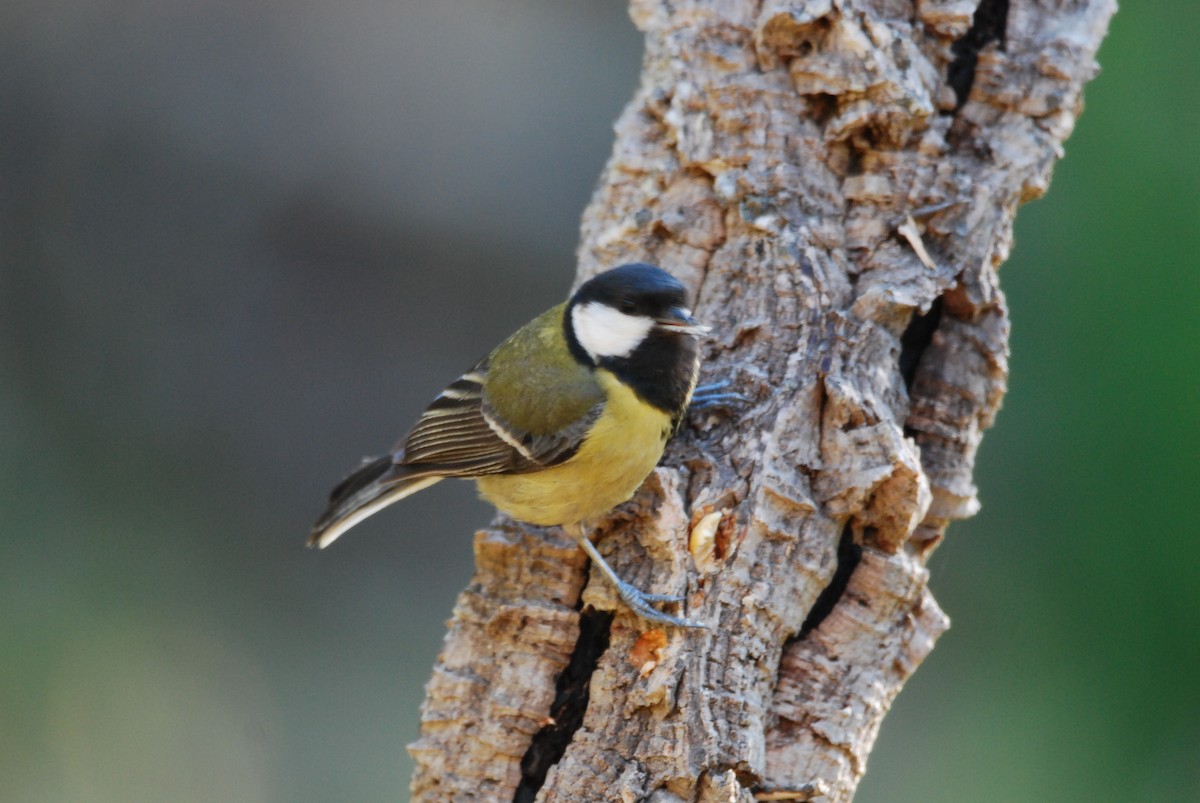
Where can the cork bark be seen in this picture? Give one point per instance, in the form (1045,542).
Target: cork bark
(836,182)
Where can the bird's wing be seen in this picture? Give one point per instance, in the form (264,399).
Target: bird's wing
(461,435)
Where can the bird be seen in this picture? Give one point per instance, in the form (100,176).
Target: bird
(559,424)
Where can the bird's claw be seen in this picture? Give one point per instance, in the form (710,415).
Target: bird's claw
(717,400)
(639,602)
(712,387)
(649,597)
(710,395)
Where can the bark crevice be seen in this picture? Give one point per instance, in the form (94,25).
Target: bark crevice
(987,25)
(571,693)
(916,339)
(848,555)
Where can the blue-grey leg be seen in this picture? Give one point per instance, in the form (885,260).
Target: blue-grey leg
(637,600)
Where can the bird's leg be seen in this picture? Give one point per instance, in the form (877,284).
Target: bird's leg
(710,395)
(637,600)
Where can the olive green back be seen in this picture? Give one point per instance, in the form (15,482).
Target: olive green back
(535,383)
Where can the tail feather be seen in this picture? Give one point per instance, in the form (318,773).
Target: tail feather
(374,485)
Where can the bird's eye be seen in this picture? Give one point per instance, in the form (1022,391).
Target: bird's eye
(627,306)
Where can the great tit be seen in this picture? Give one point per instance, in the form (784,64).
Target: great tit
(560,423)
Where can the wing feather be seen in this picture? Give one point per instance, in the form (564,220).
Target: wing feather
(461,435)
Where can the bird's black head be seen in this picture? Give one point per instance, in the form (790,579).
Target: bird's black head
(634,321)
(635,289)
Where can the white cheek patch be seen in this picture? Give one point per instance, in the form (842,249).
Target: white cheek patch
(606,332)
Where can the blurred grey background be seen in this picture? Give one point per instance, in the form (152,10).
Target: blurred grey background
(242,244)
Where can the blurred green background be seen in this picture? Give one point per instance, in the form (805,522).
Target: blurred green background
(244,242)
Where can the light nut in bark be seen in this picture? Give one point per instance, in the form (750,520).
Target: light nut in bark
(702,542)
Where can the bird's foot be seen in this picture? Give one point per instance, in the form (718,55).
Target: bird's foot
(639,602)
(711,395)
(650,597)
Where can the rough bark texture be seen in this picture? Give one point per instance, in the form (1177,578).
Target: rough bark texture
(836,181)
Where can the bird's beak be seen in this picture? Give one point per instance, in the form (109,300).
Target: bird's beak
(679,320)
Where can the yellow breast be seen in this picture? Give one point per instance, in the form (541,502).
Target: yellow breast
(622,447)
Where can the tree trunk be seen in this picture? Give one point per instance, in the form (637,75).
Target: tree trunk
(836,181)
